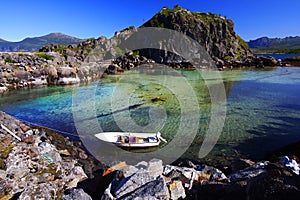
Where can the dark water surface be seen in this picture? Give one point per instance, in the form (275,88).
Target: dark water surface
(263,108)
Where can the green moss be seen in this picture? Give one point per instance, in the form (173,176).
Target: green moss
(242,42)
(158,23)
(118,50)
(60,49)
(8,60)
(135,53)
(43,55)
(227,57)
(167,11)
(4,152)
(208,17)
(51,169)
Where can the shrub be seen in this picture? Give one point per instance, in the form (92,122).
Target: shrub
(8,60)
(43,55)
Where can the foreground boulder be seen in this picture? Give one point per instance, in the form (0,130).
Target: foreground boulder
(67,76)
(142,181)
(35,163)
(77,194)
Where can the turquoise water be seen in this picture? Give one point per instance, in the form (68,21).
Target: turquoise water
(263,108)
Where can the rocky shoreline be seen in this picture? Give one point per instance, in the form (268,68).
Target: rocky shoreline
(41,163)
(294,61)
(31,70)
(59,64)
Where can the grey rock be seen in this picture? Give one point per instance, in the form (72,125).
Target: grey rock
(66,71)
(55,156)
(52,75)
(22,75)
(132,183)
(155,189)
(177,190)
(215,33)
(84,73)
(77,194)
(4,188)
(130,170)
(247,173)
(142,165)
(155,168)
(215,173)
(71,61)
(114,69)
(3,89)
(35,169)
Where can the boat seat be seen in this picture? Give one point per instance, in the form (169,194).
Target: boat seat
(131,139)
(152,139)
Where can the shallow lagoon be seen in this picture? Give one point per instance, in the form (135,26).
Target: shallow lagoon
(263,108)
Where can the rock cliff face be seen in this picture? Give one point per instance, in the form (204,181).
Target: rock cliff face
(214,32)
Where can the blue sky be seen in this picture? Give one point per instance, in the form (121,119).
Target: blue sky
(94,18)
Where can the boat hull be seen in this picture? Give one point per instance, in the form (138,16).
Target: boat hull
(131,140)
(137,145)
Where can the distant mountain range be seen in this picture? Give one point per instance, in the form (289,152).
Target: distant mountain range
(2,40)
(275,45)
(35,43)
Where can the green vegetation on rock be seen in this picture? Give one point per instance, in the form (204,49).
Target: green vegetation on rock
(43,55)
(8,60)
(4,152)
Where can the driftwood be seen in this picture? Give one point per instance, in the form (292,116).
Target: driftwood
(10,132)
(119,166)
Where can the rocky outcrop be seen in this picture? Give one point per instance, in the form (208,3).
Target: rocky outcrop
(294,61)
(142,181)
(263,180)
(77,194)
(34,163)
(22,70)
(67,76)
(214,32)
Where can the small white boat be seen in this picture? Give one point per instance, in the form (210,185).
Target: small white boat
(132,140)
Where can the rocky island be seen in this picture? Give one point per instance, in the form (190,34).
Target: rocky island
(59,64)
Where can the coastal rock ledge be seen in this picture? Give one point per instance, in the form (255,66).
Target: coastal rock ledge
(39,164)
